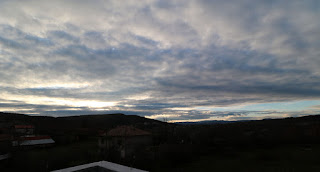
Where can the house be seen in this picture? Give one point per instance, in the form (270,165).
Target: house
(32,141)
(101,166)
(102,142)
(24,136)
(125,141)
(23,129)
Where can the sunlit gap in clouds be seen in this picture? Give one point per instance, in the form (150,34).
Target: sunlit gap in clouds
(163,117)
(71,102)
(90,104)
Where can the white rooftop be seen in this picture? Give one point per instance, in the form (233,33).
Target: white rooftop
(33,142)
(5,156)
(37,142)
(108,166)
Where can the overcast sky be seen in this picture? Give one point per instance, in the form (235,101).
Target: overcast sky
(178,60)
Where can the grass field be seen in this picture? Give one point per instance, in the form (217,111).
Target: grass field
(292,158)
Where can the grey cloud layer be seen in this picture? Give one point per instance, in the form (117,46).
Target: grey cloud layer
(153,56)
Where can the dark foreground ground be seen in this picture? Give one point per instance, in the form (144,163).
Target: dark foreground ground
(283,145)
(285,158)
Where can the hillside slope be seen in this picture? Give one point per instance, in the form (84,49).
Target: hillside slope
(65,124)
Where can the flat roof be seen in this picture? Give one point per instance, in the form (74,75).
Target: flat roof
(33,140)
(23,126)
(100,166)
(5,156)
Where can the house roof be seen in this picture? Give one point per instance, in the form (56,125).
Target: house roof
(127,131)
(33,140)
(36,142)
(102,165)
(5,156)
(23,126)
(35,137)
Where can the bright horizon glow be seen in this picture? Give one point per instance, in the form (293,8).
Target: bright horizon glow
(280,106)
(40,100)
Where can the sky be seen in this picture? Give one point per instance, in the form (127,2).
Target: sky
(172,60)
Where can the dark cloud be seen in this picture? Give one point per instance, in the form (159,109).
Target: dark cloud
(10,43)
(59,34)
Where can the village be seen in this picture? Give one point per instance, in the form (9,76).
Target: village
(119,144)
(21,139)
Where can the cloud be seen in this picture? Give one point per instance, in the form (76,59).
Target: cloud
(154,57)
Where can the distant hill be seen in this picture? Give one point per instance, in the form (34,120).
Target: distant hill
(65,124)
(298,129)
(281,120)
(205,122)
(291,130)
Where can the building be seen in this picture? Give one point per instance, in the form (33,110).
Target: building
(125,141)
(32,141)
(23,129)
(101,166)
(24,136)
